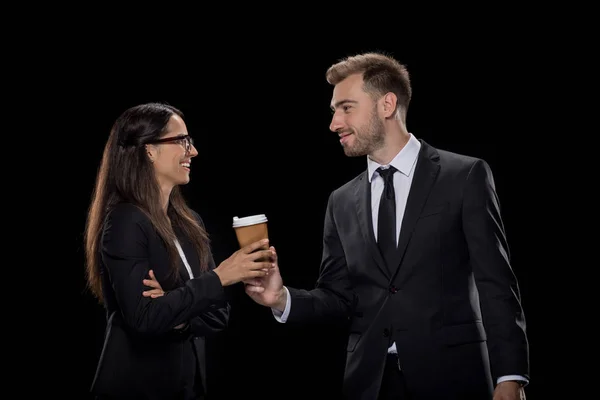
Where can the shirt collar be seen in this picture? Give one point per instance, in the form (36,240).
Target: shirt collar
(404,161)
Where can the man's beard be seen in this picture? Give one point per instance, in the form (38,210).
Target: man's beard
(367,138)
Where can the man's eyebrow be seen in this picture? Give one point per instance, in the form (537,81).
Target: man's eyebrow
(342,102)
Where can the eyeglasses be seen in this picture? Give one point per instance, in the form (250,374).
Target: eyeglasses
(185,140)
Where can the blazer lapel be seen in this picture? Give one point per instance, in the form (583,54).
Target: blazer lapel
(191,257)
(362,191)
(426,171)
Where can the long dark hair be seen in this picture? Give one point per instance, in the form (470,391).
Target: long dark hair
(127,175)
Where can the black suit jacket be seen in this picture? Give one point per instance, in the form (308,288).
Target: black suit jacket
(450,301)
(143,355)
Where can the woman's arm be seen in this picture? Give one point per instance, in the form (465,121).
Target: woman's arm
(125,255)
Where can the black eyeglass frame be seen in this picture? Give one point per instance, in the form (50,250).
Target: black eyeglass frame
(186,140)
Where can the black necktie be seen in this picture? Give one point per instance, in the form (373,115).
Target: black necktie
(386,221)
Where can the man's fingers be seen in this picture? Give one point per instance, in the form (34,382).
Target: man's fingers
(254,289)
(253,281)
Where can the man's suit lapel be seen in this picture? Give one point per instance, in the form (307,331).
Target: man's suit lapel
(426,172)
(362,191)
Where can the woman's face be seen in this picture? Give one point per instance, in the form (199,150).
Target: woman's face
(172,157)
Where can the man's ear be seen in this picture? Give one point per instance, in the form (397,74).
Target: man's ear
(389,102)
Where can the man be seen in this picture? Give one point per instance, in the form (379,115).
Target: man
(418,262)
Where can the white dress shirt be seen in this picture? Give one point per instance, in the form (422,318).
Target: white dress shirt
(184,259)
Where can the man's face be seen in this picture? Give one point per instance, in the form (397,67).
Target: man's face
(355,118)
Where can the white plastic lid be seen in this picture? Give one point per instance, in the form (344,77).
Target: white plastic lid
(251,220)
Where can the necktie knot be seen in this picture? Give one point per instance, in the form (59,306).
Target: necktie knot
(387,173)
(388,178)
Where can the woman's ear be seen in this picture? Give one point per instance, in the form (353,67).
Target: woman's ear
(151,151)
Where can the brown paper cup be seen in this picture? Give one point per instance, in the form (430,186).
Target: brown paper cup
(250,229)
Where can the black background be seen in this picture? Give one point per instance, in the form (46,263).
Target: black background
(259,114)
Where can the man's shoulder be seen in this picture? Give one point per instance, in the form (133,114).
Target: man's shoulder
(454,159)
(351,184)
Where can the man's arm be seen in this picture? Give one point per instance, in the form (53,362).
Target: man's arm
(333,297)
(499,294)
(282,316)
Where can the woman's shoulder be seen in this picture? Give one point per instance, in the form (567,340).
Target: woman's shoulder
(197,217)
(125,227)
(126,210)
(127,214)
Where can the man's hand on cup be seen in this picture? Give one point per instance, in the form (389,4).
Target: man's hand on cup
(253,261)
(268,291)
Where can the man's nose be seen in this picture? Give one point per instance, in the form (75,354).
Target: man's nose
(336,123)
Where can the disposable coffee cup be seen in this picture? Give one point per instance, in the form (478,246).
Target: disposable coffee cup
(250,229)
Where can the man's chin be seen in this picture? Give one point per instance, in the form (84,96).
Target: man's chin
(349,152)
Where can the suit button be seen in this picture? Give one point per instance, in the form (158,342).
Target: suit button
(393,289)
(386,332)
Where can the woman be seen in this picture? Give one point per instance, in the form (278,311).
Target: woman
(139,228)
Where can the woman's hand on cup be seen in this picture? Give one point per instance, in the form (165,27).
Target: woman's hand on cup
(252,261)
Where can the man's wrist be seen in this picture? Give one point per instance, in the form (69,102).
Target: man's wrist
(521,380)
(281,300)
(519,383)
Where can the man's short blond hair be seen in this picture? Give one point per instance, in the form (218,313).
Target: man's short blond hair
(381,74)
